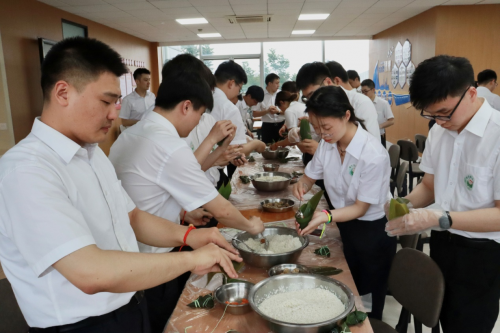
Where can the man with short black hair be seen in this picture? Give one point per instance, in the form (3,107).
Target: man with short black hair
(462,184)
(486,83)
(253,96)
(139,101)
(384,111)
(68,229)
(353,78)
(272,117)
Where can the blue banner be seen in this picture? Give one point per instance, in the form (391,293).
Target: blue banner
(401,99)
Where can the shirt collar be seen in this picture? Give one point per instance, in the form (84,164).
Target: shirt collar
(477,125)
(164,122)
(219,93)
(356,145)
(139,96)
(375,100)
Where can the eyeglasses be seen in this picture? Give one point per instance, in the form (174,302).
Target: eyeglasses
(445,118)
(365,91)
(306,98)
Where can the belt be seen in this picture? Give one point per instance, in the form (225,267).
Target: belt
(90,321)
(475,243)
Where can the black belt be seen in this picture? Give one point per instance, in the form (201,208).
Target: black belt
(90,321)
(475,243)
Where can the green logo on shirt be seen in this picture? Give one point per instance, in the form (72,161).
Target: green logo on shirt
(352,168)
(469,181)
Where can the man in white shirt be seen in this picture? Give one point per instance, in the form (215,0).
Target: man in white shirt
(68,230)
(486,83)
(253,96)
(161,174)
(462,178)
(354,79)
(141,100)
(272,117)
(384,111)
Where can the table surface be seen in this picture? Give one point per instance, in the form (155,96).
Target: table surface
(185,319)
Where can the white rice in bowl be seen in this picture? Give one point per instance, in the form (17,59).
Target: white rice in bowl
(269,179)
(306,306)
(277,244)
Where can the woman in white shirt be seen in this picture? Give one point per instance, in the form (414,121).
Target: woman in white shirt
(355,168)
(288,103)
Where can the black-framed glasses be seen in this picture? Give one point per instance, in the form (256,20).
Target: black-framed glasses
(445,118)
(306,98)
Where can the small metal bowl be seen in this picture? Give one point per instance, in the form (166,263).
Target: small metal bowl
(289,205)
(270,154)
(234,292)
(282,153)
(271,186)
(279,269)
(270,167)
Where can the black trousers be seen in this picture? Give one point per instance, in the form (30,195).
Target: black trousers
(369,253)
(383,140)
(230,170)
(271,132)
(132,318)
(471,269)
(306,158)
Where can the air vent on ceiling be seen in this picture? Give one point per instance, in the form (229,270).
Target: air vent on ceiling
(249,19)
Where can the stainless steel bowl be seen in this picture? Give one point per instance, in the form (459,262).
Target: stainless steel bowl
(289,205)
(270,154)
(271,186)
(279,269)
(282,153)
(292,282)
(234,292)
(271,167)
(270,260)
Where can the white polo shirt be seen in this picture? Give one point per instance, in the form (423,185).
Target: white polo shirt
(224,109)
(493,99)
(56,198)
(384,112)
(244,108)
(363,176)
(159,171)
(196,137)
(135,106)
(268,101)
(466,166)
(293,113)
(364,110)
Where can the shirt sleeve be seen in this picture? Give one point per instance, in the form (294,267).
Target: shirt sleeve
(43,222)
(366,111)
(314,169)
(388,111)
(426,162)
(125,109)
(290,119)
(183,178)
(374,180)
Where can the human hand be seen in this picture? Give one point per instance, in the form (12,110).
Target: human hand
(239,161)
(198,238)
(274,146)
(282,130)
(416,221)
(308,146)
(299,189)
(198,217)
(257,225)
(211,258)
(318,219)
(228,155)
(221,130)
(273,110)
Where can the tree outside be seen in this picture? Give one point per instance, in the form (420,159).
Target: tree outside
(194,50)
(278,64)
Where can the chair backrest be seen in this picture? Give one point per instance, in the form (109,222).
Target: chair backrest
(416,282)
(401,177)
(11,318)
(409,151)
(409,241)
(394,152)
(420,142)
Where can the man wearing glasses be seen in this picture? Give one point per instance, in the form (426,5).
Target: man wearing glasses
(462,177)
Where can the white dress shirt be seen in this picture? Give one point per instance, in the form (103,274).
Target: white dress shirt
(293,113)
(466,166)
(364,110)
(224,109)
(196,137)
(56,198)
(364,175)
(493,99)
(135,106)
(384,112)
(268,101)
(244,108)
(159,171)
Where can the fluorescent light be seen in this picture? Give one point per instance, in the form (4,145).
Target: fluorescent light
(304,17)
(216,34)
(200,20)
(303,32)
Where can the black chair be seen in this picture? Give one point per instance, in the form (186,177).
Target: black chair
(401,178)
(11,318)
(409,152)
(417,283)
(394,152)
(420,142)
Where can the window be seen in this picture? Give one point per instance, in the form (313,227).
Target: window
(231,49)
(351,54)
(71,29)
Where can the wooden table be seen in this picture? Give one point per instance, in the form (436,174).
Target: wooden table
(185,319)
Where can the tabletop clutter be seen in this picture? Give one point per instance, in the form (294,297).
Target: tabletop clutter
(285,281)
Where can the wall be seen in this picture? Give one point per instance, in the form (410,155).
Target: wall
(6,135)
(420,31)
(21,23)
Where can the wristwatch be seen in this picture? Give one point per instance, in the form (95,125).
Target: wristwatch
(445,221)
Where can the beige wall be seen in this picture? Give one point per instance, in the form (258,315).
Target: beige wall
(6,136)
(21,23)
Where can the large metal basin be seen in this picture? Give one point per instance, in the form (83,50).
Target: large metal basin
(271,186)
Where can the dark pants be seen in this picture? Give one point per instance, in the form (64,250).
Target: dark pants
(369,253)
(471,270)
(230,170)
(271,132)
(383,140)
(133,318)
(306,158)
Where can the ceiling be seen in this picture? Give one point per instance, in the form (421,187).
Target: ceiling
(154,20)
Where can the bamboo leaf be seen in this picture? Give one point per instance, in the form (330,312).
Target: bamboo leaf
(398,208)
(203,302)
(308,209)
(305,129)
(323,251)
(324,270)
